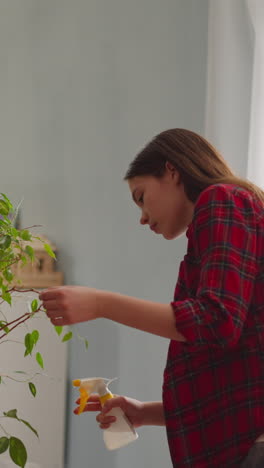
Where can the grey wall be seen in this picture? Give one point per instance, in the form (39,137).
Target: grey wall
(83,86)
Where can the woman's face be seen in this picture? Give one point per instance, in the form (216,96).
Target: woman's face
(163,202)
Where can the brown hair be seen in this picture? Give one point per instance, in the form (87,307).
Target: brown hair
(197,161)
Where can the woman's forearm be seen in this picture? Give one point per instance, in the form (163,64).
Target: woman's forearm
(144,315)
(153,414)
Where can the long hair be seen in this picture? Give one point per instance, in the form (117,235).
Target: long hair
(197,161)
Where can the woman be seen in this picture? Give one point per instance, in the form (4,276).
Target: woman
(213,388)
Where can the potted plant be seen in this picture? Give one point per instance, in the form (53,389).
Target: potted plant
(16,248)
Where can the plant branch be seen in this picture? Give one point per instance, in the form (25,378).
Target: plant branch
(13,321)
(14,289)
(3,429)
(21,381)
(28,315)
(33,226)
(25,316)
(11,341)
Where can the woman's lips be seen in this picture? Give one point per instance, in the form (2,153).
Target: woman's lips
(153,227)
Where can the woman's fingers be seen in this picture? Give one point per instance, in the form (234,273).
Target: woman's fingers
(104,420)
(116,402)
(106,425)
(94,398)
(92,405)
(89,407)
(50,305)
(70,304)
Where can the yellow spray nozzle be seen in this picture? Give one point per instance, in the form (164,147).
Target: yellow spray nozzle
(106,397)
(84,397)
(95,385)
(76,383)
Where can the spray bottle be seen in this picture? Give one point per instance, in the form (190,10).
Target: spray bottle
(121,432)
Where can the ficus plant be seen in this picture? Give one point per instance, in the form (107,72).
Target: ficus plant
(15,249)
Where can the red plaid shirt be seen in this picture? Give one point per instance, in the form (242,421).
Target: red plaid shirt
(213,390)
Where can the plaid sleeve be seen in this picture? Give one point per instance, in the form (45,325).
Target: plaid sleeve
(224,243)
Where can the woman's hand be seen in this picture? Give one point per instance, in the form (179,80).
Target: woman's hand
(66,305)
(133,409)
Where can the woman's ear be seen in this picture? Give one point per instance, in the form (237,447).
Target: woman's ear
(172,171)
(169,167)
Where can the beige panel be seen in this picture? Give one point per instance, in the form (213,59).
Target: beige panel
(46,411)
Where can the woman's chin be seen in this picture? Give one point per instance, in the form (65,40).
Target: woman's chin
(173,235)
(169,236)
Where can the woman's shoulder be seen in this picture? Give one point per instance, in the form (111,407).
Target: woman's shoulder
(229,200)
(235,194)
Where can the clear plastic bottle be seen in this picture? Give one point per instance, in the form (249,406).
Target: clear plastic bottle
(121,432)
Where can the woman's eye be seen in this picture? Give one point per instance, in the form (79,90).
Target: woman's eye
(141,199)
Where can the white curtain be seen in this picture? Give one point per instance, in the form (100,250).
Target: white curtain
(255,170)
(229,81)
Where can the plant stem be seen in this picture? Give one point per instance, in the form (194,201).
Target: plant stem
(11,341)
(20,381)
(19,323)
(3,429)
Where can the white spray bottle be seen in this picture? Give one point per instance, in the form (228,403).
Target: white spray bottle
(121,432)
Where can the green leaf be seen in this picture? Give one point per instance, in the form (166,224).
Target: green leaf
(4,222)
(24,260)
(7,297)
(35,336)
(32,388)
(3,327)
(29,426)
(0,379)
(58,329)
(25,235)
(17,451)
(84,340)
(11,413)
(67,337)
(7,201)
(8,275)
(4,444)
(4,208)
(14,232)
(49,250)
(29,343)
(30,252)
(39,360)
(5,241)
(34,305)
